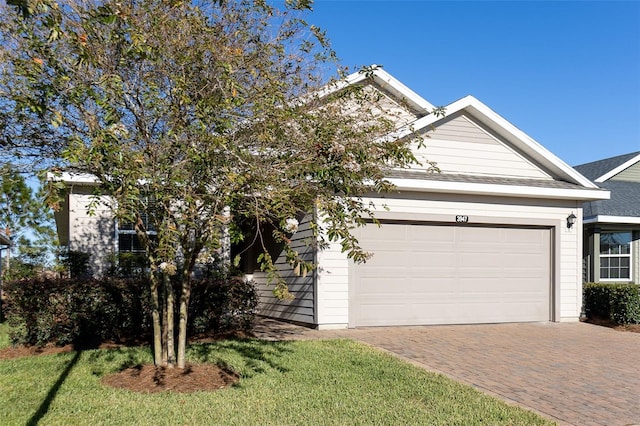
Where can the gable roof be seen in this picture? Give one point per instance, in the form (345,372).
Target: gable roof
(520,140)
(603,170)
(387,82)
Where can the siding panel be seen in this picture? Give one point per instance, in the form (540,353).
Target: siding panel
(631,174)
(459,145)
(301,308)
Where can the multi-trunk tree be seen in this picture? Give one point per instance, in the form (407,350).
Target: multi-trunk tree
(201,115)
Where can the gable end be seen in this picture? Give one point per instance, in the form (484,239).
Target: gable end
(630,174)
(460,144)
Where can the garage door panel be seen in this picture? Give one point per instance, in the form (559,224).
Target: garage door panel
(434,274)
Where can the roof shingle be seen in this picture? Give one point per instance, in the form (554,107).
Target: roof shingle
(598,168)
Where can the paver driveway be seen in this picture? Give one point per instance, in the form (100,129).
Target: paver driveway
(577,374)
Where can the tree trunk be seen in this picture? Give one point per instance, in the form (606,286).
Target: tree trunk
(185,294)
(169,325)
(163,322)
(155,319)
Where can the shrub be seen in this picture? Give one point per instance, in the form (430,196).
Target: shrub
(617,302)
(75,263)
(89,311)
(219,305)
(77,311)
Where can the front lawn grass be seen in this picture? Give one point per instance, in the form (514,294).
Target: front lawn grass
(329,382)
(5,341)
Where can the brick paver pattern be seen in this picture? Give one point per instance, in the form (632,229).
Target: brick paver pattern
(572,373)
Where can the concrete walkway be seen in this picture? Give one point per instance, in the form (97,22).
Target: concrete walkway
(576,374)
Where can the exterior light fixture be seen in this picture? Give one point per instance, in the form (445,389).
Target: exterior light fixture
(571,220)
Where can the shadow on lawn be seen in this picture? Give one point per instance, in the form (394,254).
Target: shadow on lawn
(257,356)
(44,407)
(246,357)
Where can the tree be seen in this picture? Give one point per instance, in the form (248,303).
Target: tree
(26,217)
(203,116)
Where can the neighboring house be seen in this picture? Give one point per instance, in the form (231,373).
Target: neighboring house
(5,240)
(486,240)
(85,223)
(612,227)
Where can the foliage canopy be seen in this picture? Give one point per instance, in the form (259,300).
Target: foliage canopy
(210,117)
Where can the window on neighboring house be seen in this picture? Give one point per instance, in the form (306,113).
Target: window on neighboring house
(131,253)
(128,241)
(615,256)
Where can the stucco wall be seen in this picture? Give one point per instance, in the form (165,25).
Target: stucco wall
(91,227)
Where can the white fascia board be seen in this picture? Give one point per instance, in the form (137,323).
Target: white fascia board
(510,132)
(401,91)
(633,220)
(73,178)
(618,169)
(499,190)
(386,81)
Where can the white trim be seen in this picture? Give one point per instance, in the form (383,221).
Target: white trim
(66,177)
(611,256)
(385,80)
(498,190)
(396,87)
(618,169)
(634,220)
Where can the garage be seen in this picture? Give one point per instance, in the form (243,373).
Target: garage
(426,273)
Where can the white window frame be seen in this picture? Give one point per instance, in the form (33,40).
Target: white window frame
(618,256)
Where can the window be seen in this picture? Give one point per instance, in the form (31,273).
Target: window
(131,259)
(128,241)
(615,256)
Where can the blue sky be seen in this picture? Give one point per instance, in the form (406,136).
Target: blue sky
(567,73)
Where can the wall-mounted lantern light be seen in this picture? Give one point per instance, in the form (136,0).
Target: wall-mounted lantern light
(571,220)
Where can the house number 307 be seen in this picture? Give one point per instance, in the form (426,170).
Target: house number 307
(462,218)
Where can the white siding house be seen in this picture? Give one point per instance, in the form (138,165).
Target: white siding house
(484,240)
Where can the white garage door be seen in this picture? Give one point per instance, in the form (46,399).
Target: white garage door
(439,274)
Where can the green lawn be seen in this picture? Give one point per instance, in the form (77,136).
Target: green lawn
(4,335)
(331,382)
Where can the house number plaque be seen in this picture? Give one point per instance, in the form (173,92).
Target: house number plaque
(462,218)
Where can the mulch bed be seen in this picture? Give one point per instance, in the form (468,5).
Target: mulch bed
(22,351)
(151,379)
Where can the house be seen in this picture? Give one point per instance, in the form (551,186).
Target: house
(496,236)
(84,222)
(5,240)
(612,227)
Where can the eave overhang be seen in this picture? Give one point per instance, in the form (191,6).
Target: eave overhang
(622,220)
(488,189)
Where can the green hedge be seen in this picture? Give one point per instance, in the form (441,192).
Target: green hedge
(86,311)
(617,302)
